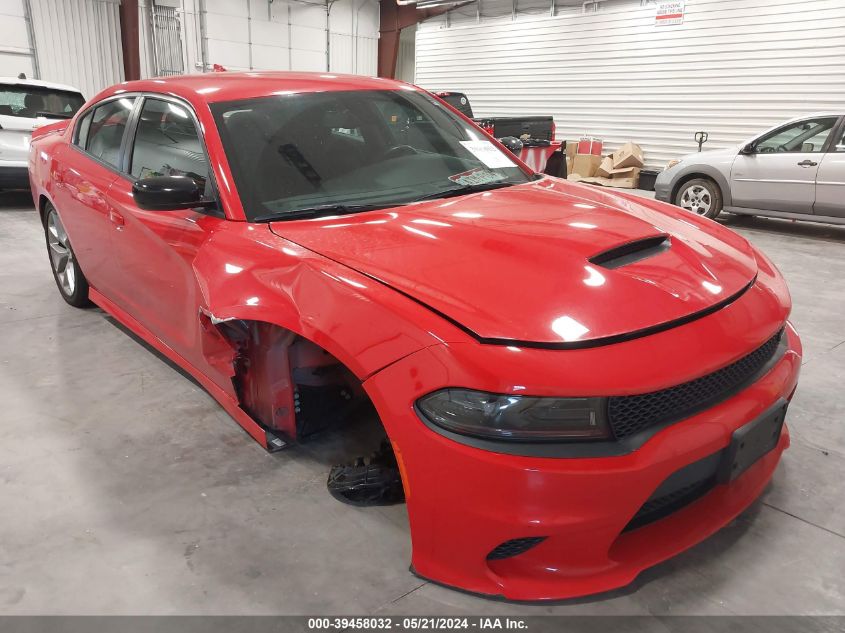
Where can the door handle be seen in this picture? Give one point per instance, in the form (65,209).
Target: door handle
(807,163)
(116,219)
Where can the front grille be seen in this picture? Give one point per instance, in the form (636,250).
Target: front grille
(631,414)
(514,547)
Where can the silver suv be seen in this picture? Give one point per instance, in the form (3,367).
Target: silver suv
(795,170)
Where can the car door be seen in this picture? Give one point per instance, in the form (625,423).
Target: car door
(156,249)
(83,173)
(777,172)
(830,179)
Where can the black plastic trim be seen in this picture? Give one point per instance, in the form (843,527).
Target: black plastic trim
(632,252)
(591,448)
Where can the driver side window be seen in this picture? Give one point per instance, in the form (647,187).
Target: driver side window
(167,144)
(808,136)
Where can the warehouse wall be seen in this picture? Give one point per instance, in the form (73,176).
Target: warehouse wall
(76,42)
(732,68)
(278,35)
(16,54)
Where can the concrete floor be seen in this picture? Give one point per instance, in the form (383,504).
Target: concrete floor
(125,489)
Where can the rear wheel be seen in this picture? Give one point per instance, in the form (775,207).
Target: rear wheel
(69,278)
(701,196)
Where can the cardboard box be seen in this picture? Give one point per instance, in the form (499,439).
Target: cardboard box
(585,165)
(605,167)
(629,155)
(571,149)
(626,178)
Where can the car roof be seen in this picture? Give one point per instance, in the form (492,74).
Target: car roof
(38,83)
(229,86)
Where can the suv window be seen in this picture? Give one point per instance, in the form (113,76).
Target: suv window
(105,132)
(167,144)
(37,101)
(804,136)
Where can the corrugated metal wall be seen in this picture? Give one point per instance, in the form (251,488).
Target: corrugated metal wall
(16,52)
(78,42)
(732,68)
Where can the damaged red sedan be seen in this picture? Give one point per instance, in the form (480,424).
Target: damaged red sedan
(574,384)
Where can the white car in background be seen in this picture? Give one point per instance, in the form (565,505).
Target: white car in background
(26,104)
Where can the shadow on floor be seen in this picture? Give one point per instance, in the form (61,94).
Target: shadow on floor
(16,200)
(796,228)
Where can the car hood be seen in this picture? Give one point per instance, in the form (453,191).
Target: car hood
(514,264)
(712,155)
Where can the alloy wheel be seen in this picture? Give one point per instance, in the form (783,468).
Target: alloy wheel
(696,199)
(61,255)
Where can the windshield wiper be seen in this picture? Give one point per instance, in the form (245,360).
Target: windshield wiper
(319,211)
(465,189)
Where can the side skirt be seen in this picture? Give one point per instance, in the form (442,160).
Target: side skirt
(784,215)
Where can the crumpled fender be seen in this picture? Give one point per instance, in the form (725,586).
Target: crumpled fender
(361,322)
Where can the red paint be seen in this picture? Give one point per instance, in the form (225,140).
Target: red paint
(509,264)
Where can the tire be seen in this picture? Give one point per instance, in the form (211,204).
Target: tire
(68,275)
(701,196)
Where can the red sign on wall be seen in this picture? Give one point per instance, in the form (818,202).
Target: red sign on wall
(669,13)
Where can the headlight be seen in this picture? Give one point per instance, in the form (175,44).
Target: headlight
(516,418)
(671,164)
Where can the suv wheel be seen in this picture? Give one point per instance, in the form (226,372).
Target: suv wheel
(701,196)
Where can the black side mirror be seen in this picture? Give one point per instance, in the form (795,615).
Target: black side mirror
(168,193)
(512,143)
(748,150)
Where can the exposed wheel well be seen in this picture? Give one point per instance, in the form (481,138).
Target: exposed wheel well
(288,383)
(295,388)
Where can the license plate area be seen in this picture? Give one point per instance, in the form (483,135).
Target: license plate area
(750,442)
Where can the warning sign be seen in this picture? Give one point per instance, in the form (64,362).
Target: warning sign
(669,13)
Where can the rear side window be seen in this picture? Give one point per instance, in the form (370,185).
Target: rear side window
(839,144)
(82,129)
(105,132)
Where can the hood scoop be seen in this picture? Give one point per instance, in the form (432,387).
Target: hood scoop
(632,252)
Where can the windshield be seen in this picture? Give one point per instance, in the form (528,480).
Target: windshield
(36,101)
(355,149)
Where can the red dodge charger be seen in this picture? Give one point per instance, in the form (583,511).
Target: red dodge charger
(574,383)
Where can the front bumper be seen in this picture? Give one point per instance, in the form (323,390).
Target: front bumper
(663,187)
(13,177)
(463,502)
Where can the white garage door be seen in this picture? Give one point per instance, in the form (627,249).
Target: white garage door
(732,68)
